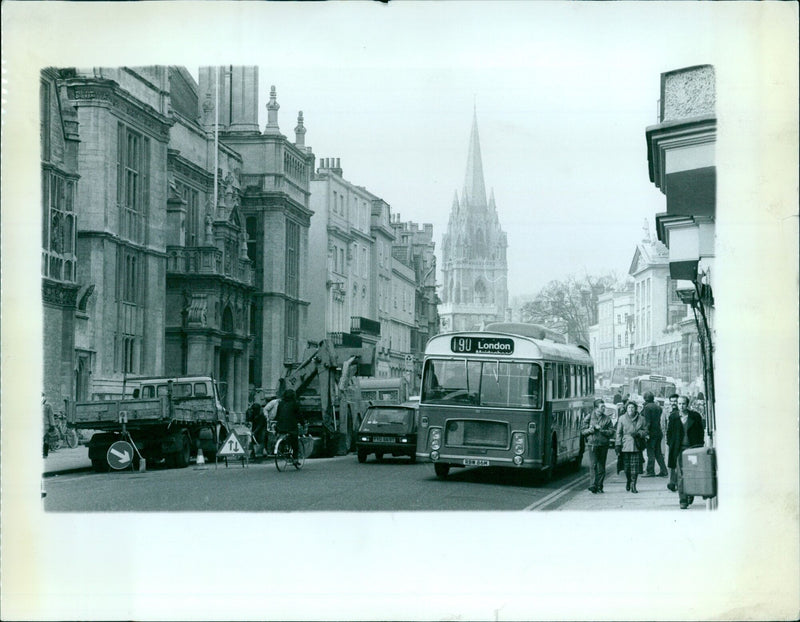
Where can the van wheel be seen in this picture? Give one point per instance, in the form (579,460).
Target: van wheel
(441,469)
(362,456)
(379,457)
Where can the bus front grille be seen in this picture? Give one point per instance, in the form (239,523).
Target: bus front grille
(469,433)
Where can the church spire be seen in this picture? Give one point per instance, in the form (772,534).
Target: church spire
(474,188)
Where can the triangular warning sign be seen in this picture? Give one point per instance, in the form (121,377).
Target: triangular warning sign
(231,446)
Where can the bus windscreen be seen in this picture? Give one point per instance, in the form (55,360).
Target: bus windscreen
(497,384)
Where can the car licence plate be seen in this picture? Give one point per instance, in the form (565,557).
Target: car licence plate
(383,439)
(475,462)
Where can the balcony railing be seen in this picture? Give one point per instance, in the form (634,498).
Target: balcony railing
(365,325)
(345,340)
(207,260)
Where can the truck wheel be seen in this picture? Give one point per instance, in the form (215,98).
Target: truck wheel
(441,469)
(100,465)
(362,456)
(185,453)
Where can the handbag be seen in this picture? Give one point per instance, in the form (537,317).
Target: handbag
(641,443)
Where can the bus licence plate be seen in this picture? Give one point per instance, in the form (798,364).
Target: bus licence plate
(475,462)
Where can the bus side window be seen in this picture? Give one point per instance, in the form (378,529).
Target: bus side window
(549,381)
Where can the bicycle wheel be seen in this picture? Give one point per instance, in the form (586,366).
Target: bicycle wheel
(283,458)
(72,438)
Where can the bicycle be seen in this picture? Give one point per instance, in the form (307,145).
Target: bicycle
(62,434)
(284,456)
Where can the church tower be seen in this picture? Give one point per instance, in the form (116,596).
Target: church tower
(475,272)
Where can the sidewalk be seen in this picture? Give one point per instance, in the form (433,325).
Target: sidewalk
(653,495)
(66,460)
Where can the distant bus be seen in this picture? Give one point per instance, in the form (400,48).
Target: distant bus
(512,396)
(622,375)
(660,386)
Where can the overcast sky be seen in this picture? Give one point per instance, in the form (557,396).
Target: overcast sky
(563,97)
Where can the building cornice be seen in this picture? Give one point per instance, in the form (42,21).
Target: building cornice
(672,135)
(107,93)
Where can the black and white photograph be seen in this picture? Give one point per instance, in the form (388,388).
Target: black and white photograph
(400,310)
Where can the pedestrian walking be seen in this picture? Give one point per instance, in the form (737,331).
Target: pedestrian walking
(684,430)
(631,440)
(48,424)
(598,430)
(652,415)
(255,416)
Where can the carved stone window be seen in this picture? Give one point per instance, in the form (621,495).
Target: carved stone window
(133,183)
(58,227)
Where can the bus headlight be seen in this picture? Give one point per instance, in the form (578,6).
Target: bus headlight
(518,460)
(436,438)
(518,443)
(434,456)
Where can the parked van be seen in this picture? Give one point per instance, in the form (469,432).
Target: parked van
(384,390)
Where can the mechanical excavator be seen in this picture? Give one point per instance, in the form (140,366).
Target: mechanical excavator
(326,383)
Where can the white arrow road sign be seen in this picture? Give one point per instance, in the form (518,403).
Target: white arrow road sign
(124,456)
(119,455)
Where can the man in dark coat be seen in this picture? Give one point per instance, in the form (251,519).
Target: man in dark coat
(288,418)
(652,415)
(684,430)
(598,430)
(255,415)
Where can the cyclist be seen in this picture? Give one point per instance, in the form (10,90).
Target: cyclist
(288,418)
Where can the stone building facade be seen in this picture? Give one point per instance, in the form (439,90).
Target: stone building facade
(274,188)
(341,288)
(681,157)
(414,247)
(661,336)
(123,125)
(209,284)
(182,249)
(474,268)
(66,372)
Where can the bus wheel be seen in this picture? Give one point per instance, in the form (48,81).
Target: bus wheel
(576,464)
(441,469)
(553,462)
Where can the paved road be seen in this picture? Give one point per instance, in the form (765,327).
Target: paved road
(332,484)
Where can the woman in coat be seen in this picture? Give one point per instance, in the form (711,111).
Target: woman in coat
(631,438)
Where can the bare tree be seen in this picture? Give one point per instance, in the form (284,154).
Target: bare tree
(569,306)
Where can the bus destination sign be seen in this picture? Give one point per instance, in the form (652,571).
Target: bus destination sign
(482,345)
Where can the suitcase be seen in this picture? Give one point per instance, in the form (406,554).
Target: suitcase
(699,472)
